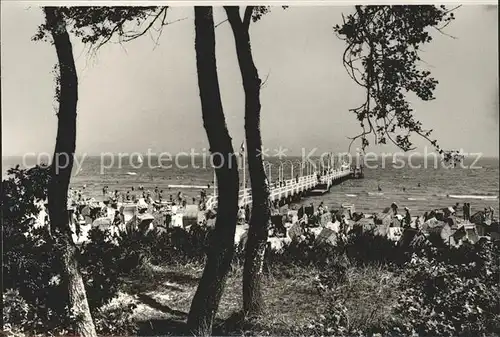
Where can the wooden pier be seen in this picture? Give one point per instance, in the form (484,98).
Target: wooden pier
(295,188)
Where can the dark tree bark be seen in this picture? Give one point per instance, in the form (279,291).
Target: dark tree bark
(62,164)
(261,214)
(220,253)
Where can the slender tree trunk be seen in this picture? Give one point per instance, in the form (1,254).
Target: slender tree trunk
(261,214)
(62,164)
(220,254)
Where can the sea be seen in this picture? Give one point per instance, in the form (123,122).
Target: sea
(424,185)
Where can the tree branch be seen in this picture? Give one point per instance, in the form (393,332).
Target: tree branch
(217,25)
(137,35)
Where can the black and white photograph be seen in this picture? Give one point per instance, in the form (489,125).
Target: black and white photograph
(203,168)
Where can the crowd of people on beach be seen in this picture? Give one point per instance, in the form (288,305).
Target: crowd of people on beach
(133,195)
(85,209)
(341,221)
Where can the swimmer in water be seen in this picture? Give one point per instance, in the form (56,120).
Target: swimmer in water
(379,189)
(418,184)
(404,189)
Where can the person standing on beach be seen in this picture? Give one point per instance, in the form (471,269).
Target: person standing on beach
(407,217)
(344,224)
(426,216)
(247,212)
(203,196)
(117,219)
(394,208)
(321,208)
(466,211)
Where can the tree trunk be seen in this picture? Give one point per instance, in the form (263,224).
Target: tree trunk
(261,214)
(62,164)
(220,253)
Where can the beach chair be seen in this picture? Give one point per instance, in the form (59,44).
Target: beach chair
(145,221)
(327,236)
(128,211)
(190,215)
(240,233)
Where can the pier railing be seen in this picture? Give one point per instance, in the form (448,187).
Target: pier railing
(288,187)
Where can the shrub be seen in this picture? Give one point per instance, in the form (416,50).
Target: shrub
(367,248)
(15,309)
(359,301)
(454,292)
(33,268)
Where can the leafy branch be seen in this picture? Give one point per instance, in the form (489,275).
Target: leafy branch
(382,56)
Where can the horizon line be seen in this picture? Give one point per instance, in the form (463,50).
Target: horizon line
(236,152)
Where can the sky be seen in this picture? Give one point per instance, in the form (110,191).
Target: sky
(141,95)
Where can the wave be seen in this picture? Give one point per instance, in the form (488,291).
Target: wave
(480,197)
(351,195)
(132,173)
(417,199)
(375,193)
(187,186)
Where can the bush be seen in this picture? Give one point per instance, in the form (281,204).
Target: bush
(304,253)
(32,264)
(438,291)
(15,309)
(455,292)
(359,248)
(367,248)
(359,301)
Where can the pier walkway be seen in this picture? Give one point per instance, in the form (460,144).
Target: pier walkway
(291,188)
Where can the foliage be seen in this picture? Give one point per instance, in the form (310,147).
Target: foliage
(96,25)
(115,320)
(32,266)
(360,248)
(367,248)
(360,301)
(259,11)
(304,253)
(15,309)
(20,194)
(457,294)
(38,299)
(373,286)
(382,56)
(439,291)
